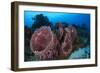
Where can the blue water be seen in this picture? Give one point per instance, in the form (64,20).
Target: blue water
(70,18)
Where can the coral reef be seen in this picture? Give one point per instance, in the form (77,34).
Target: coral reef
(48,46)
(81,53)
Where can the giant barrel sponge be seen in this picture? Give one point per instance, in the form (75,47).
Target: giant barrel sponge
(47,46)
